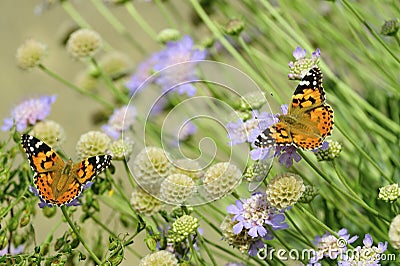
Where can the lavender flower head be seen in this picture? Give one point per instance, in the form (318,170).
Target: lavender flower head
(13,250)
(29,112)
(366,255)
(188,129)
(299,68)
(256,216)
(121,120)
(143,72)
(329,246)
(175,67)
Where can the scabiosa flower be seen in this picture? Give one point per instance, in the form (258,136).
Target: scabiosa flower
(144,203)
(252,100)
(122,119)
(187,130)
(92,143)
(150,167)
(159,258)
(394,232)
(187,167)
(177,188)
(115,65)
(328,151)
(29,113)
(309,194)
(389,193)
(177,65)
(256,216)
(329,246)
(167,35)
(122,149)
(13,250)
(182,228)
(247,131)
(49,132)
(242,240)
(285,190)
(30,54)
(86,81)
(221,178)
(83,43)
(299,68)
(365,255)
(390,27)
(142,73)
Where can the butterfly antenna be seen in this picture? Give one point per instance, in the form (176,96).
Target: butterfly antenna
(59,148)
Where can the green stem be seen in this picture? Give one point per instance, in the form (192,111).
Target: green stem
(128,172)
(140,20)
(363,153)
(203,244)
(166,14)
(117,25)
(376,36)
(76,88)
(110,84)
(81,239)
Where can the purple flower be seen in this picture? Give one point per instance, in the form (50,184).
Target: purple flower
(13,250)
(143,72)
(188,129)
(29,112)
(121,120)
(366,255)
(299,53)
(256,216)
(247,131)
(287,154)
(177,64)
(329,246)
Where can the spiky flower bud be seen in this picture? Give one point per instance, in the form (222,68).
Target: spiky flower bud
(92,143)
(49,132)
(285,190)
(332,152)
(122,149)
(187,167)
(234,27)
(49,211)
(300,67)
(168,35)
(309,194)
(144,203)
(115,65)
(159,258)
(183,227)
(394,232)
(390,27)
(177,188)
(83,43)
(252,100)
(241,240)
(221,178)
(389,193)
(30,54)
(151,167)
(85,81)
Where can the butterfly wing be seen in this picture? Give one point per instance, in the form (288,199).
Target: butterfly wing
(41,157)
(87,169)
(277,134)
(309,93)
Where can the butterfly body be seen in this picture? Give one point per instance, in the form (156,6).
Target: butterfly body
(58,182)
(309,118)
